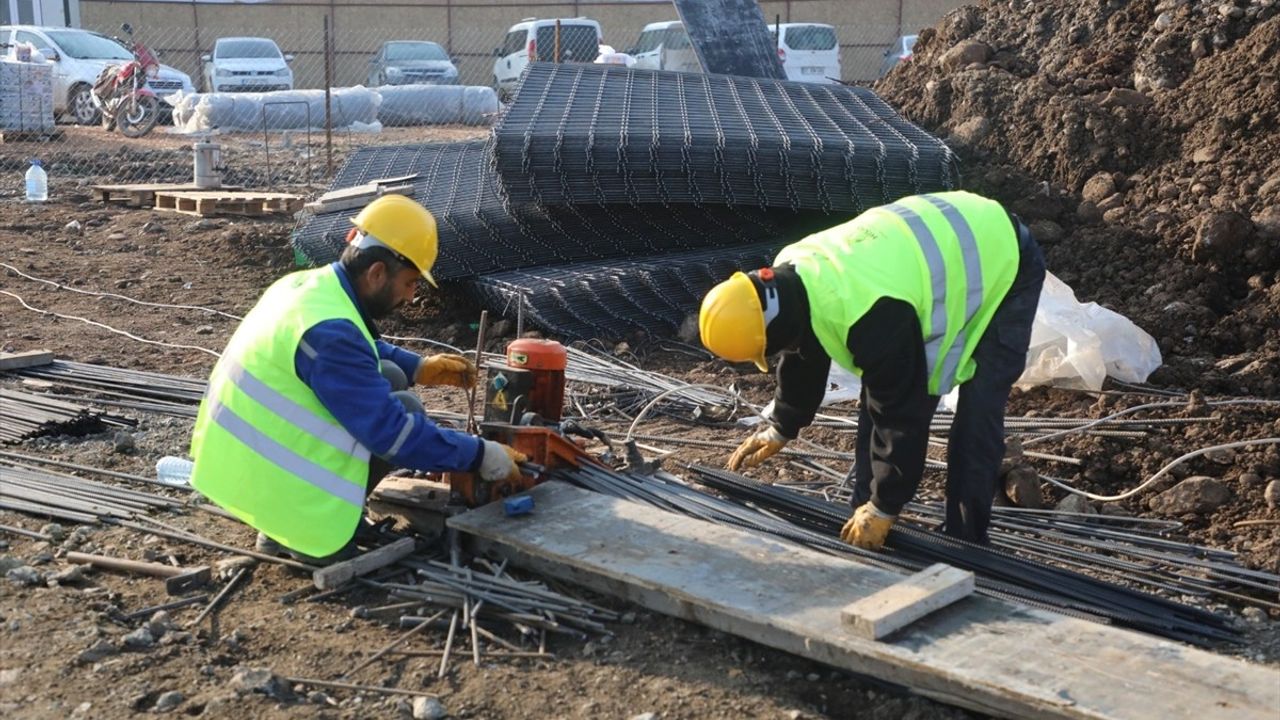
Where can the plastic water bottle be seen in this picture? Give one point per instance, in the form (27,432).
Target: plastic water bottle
(37,183)
(172,470)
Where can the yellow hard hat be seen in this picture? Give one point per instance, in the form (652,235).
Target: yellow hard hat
(403,226)
(731,322)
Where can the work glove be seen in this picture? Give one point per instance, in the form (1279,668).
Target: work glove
(499,462)
(761,446)
(867,527)
(446,369)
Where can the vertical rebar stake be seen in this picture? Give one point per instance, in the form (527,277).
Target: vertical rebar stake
(472,427)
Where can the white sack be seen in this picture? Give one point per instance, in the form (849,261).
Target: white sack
(245,111)
(410,105)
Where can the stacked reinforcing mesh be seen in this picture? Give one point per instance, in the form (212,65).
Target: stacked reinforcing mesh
(599,134)
(607,201)
(612,299)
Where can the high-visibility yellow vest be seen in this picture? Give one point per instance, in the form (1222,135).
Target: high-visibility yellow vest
(951,256)
(265,448)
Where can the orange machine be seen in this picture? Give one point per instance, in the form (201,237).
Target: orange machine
(521,397)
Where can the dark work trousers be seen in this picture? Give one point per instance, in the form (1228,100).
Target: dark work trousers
(976,445)
(378,467)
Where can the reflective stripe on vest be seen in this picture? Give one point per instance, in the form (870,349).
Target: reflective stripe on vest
(938,328)
(335,436)
(284,458)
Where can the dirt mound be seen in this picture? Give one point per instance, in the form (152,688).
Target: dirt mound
(1142,142)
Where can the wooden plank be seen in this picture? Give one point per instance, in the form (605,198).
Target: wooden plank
(210,202)
(327,578)
(334,202)
(24,359)
(985,654)
(897,606)
(142,194)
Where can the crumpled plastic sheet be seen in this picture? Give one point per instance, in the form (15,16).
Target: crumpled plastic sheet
(280,110)
(409,105)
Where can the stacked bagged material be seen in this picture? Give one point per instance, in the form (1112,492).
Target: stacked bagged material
(281,110)
(413,105)
(482,232)
(26,96)
(599,134)
(612,298)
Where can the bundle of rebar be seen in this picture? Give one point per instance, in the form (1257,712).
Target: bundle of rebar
(123,387)
(481,231)
(29,488)
(611,299)
(816,524)
(601,134)
(25,415)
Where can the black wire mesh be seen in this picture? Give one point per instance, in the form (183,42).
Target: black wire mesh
(730,37)
(481,231)
(599,134)
(612,299)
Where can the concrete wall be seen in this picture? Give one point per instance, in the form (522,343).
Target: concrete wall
(469,29)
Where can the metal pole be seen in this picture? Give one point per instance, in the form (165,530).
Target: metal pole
(557,50)
(328,98)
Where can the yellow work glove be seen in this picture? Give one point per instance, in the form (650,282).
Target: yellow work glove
(446,369)
(761,446)
(867,527)
(499,462)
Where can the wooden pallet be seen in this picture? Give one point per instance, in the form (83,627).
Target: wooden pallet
(9,136)
(141,195)
(221,202)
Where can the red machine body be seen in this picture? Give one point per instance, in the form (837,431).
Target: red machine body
(522,397)
(532,381)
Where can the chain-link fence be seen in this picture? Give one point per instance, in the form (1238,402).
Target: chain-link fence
(258,89)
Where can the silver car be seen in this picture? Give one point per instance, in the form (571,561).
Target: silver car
(404,62)
(900,51)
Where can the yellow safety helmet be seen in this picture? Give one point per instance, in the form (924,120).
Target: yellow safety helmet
(731,322)
(402,226)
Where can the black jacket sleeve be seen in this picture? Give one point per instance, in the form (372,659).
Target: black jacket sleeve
(886,345)
(802,383)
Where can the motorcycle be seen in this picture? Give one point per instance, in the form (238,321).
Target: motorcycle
(121,91)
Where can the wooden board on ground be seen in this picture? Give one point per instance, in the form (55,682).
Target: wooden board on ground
(24,359)
(902,603)
(224,202)
(12,136)
(419,504)
(989,655)
(142,195)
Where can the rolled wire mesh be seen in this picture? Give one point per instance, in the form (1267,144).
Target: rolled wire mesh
(615,298)
(481,231)
(597,134)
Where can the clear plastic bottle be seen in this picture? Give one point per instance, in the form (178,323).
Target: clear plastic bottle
(37,183)
(174,470)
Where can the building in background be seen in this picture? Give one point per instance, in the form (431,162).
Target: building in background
(59,13)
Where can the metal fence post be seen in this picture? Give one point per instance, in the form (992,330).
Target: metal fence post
(328,98)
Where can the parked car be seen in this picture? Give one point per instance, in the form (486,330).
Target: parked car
(677,54)
(810,52)
(648,48)
(79,56)
(247,64)
(535,40)
(403,62)
(900,51)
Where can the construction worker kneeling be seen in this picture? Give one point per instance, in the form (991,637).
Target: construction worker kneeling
(916,298)
(302,417)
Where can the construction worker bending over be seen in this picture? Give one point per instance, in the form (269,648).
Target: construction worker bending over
(300,421)
(917,297)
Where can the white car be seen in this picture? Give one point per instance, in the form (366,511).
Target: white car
(653,39)
(535,40)
(810,52)
(247,64)
(79,56)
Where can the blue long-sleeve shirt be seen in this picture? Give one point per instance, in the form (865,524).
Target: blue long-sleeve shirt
(333,359)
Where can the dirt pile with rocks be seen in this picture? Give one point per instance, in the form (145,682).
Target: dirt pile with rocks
(1141,141)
